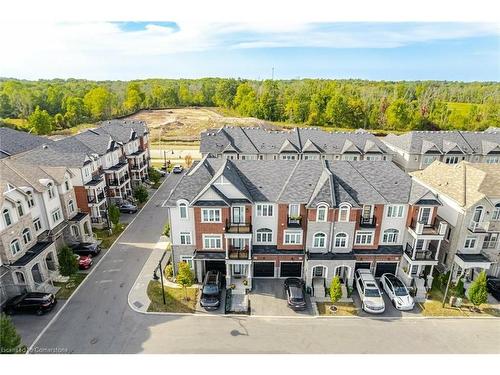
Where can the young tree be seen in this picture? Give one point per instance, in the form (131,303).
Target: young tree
(10,341)
(68,263)
(335,290)
(41,121)
(141,194)
(154,175)
(188,159)
(478,293)
(114,214)
(184,276)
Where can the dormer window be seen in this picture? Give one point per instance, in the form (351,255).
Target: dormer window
(321,213)
(66,185)
(29,199)
(19,207)
(344,212)
(183,212)
(50,188)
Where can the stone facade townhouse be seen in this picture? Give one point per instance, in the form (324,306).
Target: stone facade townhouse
(418,149)
(305,218)
(39,215)
(470,196)
(252,143)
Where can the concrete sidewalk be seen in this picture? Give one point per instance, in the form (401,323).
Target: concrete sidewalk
(138,298)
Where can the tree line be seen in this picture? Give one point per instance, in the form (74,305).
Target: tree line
(50,105)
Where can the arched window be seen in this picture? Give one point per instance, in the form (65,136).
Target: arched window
(496,213)
(26,236)
(319,271)
(341,240)
(29,199)
(183,211)
(50,187)
(344,211)
(6,217)
(20,277)
(75,231)
(321,213)
(71,206)
(264,235)
(319,240)
(66,185)
(19,207)
(15,247)
(390,236)
(478,214)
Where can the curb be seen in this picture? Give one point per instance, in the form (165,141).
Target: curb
(89,274)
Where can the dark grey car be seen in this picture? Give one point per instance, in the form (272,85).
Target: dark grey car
(211,291)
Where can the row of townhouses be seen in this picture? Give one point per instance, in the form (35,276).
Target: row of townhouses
(252,143)
(106,162)
(418,149)
(39,215)
(54,192)
(312,219)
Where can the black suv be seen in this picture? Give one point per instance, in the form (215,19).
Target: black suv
(295,293)
(211,290)
(38,303)
(493,285)
(87,248)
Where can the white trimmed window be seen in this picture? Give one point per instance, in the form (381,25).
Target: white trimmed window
(66,185)
(187,259)
(71,206)
(50,188)
(390,236)
(493,159)
(293,238)
(210,215)
(264,235)
(212,242)
(364,238)
(341,239)
(56,215)
(470,243)
(428,159)
(344,212)
(26,236)
(395,210)
(37,224)
(319,240)
(6,217)
(20,209)
(321,213)
(294,210)
(29,199)
(15,247)
(495,216)
(75,231)
(265,210)
(183,211)
(186,238)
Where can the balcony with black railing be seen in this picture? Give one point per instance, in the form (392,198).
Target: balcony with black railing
(421,254)
(238,253)
(239,226)
(437,226)
(368,221)
(294,221)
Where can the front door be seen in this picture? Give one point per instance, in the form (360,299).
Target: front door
(238,215)
(342,272)
(237,269)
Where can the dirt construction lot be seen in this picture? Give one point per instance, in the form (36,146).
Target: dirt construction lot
(185,124)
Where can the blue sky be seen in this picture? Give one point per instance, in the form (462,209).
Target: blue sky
(169,49)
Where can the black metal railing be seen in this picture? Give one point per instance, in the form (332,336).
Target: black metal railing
(294,221)
(368,222)
(238,227)
(238,253)
(421,254)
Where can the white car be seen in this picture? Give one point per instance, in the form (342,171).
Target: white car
(371,297)
(397,292)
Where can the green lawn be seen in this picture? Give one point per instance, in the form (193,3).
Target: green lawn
(343,309)
(68,288)
(106,238)
(175,299)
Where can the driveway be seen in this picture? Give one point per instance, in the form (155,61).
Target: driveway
(268,298)
(390,310)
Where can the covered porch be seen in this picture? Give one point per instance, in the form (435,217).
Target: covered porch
(239,275)
(469,266)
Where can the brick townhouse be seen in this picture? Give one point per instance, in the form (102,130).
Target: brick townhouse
(304,218)
(39,215)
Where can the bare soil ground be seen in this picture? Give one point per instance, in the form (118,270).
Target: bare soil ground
(186,124)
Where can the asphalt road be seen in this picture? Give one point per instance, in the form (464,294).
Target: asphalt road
(98,319)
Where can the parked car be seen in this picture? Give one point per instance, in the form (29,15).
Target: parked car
(369,293)
(397,292)
(128,208)
(493,285)
(177,168)
(87,248)
(85,262)
(211,291)
(38,303)
(295,293)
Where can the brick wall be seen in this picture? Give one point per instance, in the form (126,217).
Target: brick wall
(283,224)
(81,198)
(210,228)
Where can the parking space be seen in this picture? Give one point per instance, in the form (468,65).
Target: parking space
(127,218)
(268,298)
(390,310)
(29,326)
(219,311)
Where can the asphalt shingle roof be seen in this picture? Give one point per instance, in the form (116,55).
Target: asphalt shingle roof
(14,142)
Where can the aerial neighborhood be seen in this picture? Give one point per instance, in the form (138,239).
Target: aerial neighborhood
(300,207)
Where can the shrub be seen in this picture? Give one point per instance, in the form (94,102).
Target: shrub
(114,214)
(10,341)
(141,194)
(459,290)
(154,175)
(68,263)
(169,271)
(188,159)
(478,292)
(335,290)
(166,230)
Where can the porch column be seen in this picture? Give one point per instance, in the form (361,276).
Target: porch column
(249,248)
(228,274)
(437,251)
(414,248)
(249,278)
(430,278)
(227,248)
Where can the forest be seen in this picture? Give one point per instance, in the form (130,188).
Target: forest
(45,106)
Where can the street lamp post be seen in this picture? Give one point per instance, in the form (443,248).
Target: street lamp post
(448,284)
(159,268)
